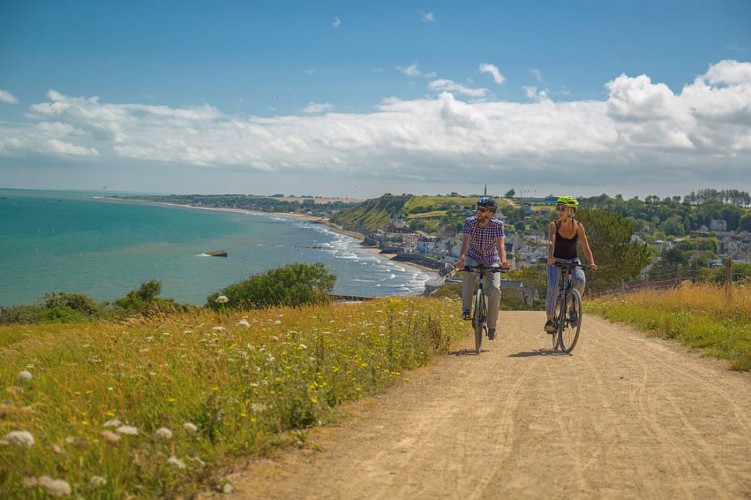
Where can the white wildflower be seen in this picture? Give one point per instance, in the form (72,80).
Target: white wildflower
(111,437)
(57,449)
(190,427)
(258,407)
(218,329)
(71,440)
(277,322)
(24,376)
(112,423)
(20,438)
(222,299)
(303,346)
(243,323)
(128,430)
(163,433)
(173,460)
(55,487)
(97,481)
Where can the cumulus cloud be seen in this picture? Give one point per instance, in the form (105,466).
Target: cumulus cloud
(451,86)
(336,22)
(315,107)
(642,133)
(494,72)
(7,97)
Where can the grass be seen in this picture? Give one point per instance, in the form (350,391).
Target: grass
(200,388)
(706,317)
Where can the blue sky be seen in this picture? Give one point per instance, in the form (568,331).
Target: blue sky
(356,99)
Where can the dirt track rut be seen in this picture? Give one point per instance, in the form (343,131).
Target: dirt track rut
(624,417)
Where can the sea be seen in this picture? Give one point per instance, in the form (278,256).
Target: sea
(104,246)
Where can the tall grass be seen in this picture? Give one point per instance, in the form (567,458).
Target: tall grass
(198,388)
(712,318)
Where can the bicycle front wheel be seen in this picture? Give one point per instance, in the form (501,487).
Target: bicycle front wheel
(572,322)
(478,319)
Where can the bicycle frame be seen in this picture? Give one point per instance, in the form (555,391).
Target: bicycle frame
(480,309)
(568,310)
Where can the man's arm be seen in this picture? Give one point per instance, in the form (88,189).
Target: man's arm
(502,251)
(463,253)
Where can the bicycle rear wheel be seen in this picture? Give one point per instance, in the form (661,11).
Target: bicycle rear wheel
(572,322)
(478,319)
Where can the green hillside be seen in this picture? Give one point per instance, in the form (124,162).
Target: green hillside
(371,215)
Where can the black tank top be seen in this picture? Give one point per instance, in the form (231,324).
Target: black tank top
(564,248)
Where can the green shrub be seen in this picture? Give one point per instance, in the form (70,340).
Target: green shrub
(292,285)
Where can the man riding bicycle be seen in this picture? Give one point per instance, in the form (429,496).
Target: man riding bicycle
(484,242)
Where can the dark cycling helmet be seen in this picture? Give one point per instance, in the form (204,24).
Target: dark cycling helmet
(567,201)
(488,202)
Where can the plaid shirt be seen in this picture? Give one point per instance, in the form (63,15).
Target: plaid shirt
(483,242)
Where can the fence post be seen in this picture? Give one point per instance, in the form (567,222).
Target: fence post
(729,277)
(679,275)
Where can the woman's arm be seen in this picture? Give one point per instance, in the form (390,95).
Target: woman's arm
(585,247)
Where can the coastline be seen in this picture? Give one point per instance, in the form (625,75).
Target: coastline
(315,219)
(359,236)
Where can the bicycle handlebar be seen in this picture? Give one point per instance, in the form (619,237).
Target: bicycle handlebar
(564,263)
(490,269)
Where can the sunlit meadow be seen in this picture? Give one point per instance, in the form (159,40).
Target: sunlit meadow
(712,318)
(159,407)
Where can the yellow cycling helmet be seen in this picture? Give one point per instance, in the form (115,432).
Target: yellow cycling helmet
(567,201)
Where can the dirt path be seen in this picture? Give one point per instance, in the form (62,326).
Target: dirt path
(623,417)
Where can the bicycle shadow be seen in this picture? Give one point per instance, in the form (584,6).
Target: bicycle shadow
(466,352)
(538,352)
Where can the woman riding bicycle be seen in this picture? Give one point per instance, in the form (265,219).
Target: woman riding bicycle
(484,242)
(565,233)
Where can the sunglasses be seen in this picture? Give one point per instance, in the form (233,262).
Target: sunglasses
(561,208)
(482,209)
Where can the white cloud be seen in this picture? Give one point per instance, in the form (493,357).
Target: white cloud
(7,97)
(537,74)
(451,86)
(410,70)
(314,107)
(336,22)
(643,134)
(494,71)
(427,17)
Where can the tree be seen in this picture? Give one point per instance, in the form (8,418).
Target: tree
(745,223)
(292,285)
(618,258)
(509,194)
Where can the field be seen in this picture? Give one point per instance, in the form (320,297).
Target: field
(158,407)
(712,318)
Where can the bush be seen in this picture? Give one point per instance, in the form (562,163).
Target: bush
(292,285)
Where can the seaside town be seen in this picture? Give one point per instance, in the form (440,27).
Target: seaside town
(702,230)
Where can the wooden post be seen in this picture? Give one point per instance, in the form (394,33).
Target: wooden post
(679,275)
(729,277)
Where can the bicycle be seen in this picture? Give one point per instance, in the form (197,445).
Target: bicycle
(480,303)
(568,307)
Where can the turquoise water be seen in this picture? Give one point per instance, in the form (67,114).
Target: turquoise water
(85,243)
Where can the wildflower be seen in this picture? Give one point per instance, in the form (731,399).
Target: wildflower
(163,433)
(20,438)
(112,423)
(111,437)
(222,299)
(128,430)
(190,428)
(173,460)
(24,376)
(55,487)
(243,323)
(277,322)
(97,481)
(218,329)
